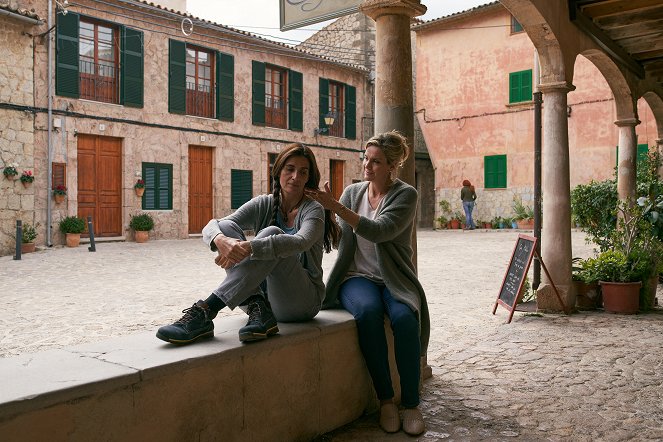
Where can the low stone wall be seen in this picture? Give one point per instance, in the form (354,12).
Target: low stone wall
(308,380)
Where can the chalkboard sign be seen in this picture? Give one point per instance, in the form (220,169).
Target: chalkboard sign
(516,273)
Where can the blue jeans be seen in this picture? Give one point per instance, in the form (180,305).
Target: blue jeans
(468,206)
(368,302)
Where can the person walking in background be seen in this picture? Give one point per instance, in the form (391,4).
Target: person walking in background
(374,275)
(278,274)
(468,196)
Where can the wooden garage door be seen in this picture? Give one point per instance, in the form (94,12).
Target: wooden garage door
(100,183)
(200,187)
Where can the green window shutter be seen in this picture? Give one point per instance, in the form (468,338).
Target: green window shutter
(176,77)
(520,86)
(258,92)
(131,76)
(295,101)
(350,112)
(225,87)
(495,172)
(514,87)
(643,150)
(323,90)
(66,55)
(241,185)
(158,186)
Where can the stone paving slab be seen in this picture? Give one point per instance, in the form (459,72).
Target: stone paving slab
(585,377)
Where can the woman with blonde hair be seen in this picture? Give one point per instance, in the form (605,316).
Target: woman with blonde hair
(374,276)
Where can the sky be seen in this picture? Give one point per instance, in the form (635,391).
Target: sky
(261,17)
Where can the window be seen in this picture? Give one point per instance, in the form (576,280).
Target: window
(241,185)
(520,86)
(271,159)
(58,175)
(158,186)
(98,61)
(277,97)
(494,171)
(200,81)
(516,27)
(340,100)
(641,153)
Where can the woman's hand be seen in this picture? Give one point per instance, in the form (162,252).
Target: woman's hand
(231,251)
(324,197)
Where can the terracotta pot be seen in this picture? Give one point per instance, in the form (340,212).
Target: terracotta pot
(454,224)
(141,236)
(73,239)
(487,226)
(11,177)
(59,198)
(525,224)
(26,184)
(588,296)
(139,191)
(648,298)
(621,297)
(27,247)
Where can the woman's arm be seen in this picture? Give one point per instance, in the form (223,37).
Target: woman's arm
(397,213)
(341,208)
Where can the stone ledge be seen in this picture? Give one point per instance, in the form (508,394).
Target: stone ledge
(308,380)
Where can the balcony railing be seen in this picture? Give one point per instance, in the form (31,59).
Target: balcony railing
(99,81)
(199,101)
(276,112)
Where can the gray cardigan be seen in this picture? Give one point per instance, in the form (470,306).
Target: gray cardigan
(307,243)
(391,231)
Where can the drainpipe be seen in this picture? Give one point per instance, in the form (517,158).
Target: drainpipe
(49,81)
(32,21)
(537,170)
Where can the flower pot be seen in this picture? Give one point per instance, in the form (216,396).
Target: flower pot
(26,184)
(11,177)
(454,224)
(27,247)
(58,198)
(621,297)
(139,191)
(487,226)
(525,224)
(141,236)
(588,296)
(648,294)
(73,239)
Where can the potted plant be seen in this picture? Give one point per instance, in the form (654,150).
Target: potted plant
(456,221)
(59,193)
(28,236)
(27,178)
(10,171)
(139,187)
(586,285)
(142,223)
(72,227)
(524,217)
(445,214)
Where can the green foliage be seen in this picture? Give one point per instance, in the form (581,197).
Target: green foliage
(445,207)
(615,266)
(496,221)
(442,221)
(458,216)
(522,211)
(29,233)
(72,224)
(594,208)
(142,222)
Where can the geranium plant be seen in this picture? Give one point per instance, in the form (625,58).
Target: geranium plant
(140,184)
(27,176)
(60,190)
(10,169)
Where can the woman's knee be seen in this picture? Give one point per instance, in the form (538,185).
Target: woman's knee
(269,231)
(404,322)
(231,229)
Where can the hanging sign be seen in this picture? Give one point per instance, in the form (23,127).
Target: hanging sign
(298,13)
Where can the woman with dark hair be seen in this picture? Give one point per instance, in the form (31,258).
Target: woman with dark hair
(374,276)
(277,275)
(468,196)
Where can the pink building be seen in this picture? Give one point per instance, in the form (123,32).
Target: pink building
(476,71)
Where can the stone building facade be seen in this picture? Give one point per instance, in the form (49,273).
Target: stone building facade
(469,71)
(122,111)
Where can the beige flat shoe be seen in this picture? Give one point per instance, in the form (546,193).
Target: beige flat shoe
(413,422)
(390,421)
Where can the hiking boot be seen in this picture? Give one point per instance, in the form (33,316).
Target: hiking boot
(195,324)
(261,323)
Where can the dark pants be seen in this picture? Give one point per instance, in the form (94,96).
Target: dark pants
(369,302)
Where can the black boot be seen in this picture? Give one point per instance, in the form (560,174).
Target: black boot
(261,323)
(195,324)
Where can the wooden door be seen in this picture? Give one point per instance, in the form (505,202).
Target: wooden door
(100,183)
(336,177)
(200,187)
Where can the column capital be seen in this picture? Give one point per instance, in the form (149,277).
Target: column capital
(659,141)
(377,8)
(561,86)
(627,122)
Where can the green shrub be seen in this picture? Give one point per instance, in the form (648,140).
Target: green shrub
(29,233)
(142,222)
(72,224)
(594,208)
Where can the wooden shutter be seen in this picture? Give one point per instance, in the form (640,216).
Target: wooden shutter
(131,67)
(526,85)
(177,77)
(241,184)
(350,112)
(258,89)
(495,172)
(323,90)
(158,186)
(225,87)
(66,55)
(514,87)
(58,175)
(296,101)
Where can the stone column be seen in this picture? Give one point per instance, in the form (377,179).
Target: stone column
(628,150)
(659,149)
(556,235)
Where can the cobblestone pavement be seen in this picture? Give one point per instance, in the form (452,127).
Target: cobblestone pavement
(590,376)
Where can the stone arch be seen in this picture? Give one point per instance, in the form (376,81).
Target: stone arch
(655,102)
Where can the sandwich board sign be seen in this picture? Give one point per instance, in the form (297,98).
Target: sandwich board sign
(298,13)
